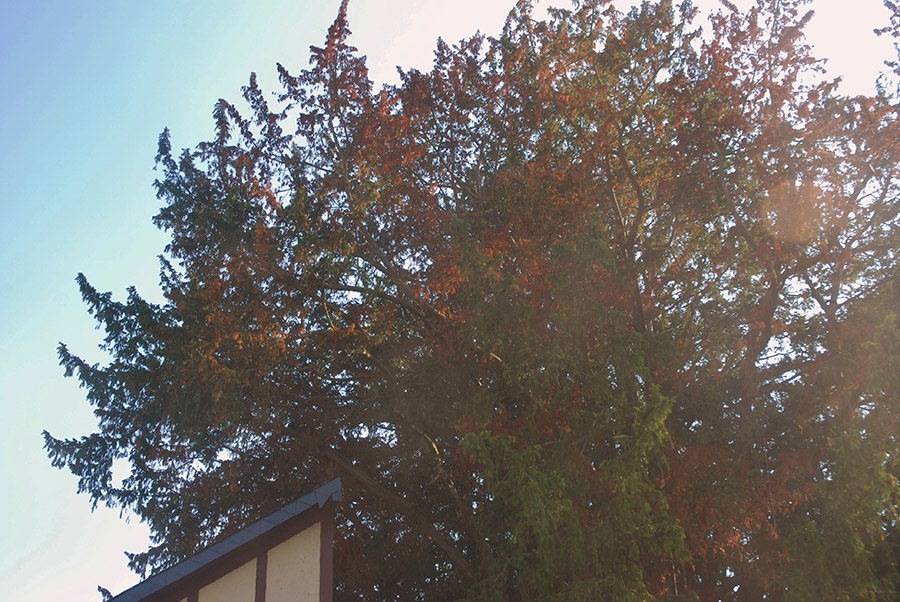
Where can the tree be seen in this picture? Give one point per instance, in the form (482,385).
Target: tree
(602,308)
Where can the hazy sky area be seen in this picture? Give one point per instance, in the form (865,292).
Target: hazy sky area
(87,86)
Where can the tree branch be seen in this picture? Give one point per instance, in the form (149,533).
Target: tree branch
(400,504)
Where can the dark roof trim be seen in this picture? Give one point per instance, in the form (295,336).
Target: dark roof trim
(163,580)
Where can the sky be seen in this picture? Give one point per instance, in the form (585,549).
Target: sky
(87,88)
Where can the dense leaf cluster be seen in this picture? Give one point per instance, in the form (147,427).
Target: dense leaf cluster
(604,308)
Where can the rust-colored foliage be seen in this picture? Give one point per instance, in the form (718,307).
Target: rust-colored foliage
(600,309)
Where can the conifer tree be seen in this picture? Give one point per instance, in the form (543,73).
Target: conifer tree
(604,308)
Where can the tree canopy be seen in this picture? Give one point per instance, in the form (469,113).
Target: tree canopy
(604,308)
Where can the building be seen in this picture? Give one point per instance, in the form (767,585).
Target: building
(283,557)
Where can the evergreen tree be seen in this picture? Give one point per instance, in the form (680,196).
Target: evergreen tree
(601,309)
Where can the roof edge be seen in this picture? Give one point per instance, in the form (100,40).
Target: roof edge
(317,498)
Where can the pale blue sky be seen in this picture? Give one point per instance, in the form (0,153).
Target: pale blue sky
(86,88)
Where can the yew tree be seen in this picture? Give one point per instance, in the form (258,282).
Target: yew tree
(604,308)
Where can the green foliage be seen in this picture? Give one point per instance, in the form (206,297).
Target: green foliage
(601,309)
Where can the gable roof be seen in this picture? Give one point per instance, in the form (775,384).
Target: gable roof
(220,552)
